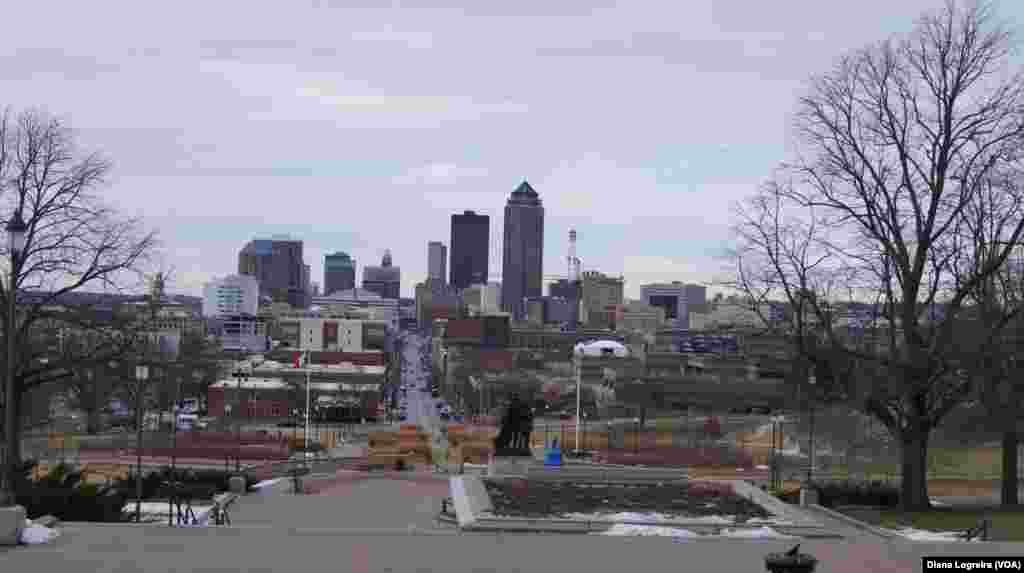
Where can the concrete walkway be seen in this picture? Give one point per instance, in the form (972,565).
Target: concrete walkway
(125,549)
(353,501)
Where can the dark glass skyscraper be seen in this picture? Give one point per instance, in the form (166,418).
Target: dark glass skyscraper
(339,273)
(469,249)
(277,264)
(522,267)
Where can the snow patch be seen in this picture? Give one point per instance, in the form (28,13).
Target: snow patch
(757,533)
(925,535)
(622,529)
(768,521)
(652,517)
(266,483)
(34,534)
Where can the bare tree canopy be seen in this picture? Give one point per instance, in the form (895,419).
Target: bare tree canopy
(73,242)
(905,197)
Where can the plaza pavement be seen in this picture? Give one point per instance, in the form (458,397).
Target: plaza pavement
(128,549)
(353,500)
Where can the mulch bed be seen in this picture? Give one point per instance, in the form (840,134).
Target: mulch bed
(523,498)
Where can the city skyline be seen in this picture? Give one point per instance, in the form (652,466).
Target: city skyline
(638,122)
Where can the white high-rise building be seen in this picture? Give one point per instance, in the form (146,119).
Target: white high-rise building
(232,295)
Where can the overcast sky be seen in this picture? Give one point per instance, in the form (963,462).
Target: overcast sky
(360,128)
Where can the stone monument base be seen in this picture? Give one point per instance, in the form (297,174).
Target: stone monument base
(12,521)
(509,465)
(808,496)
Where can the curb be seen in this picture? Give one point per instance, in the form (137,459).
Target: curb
(337,531)
(856,523)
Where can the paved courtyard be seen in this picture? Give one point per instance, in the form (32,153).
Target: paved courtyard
(354,501)
(127,549)
(387,525)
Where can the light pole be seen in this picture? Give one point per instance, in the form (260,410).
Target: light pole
(16,230)
(240,374)
(141,375)
(811,381)
(174,424)
(578,364)
(305,432)
(636,436)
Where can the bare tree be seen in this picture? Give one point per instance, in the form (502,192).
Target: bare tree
(73,242)
(898,146)
(993,344)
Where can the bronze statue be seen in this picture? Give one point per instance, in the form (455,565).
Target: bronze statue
(516,425)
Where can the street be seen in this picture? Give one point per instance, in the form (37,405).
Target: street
(421,408)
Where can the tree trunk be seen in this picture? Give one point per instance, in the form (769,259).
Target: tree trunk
(914,482)
(1010,481)
(92,421)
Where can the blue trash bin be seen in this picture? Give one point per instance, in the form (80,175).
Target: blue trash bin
(553,455)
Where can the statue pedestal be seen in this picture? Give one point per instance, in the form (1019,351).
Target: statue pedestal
(506,466)
(12,521)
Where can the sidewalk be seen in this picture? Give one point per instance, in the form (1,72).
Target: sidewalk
(359,502)
(272,548)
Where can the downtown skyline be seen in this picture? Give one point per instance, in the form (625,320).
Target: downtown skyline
(640,125)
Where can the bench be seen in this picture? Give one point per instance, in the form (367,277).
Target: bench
(180,496)
(221,503)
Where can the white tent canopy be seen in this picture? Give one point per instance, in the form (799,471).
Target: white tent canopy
(601,348)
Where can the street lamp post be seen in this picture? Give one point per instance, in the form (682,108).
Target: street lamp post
(807,493)
(305,431)
(16,230)
(636,436)
(175,409)
(578,363)
(810,404)
(141,375)
(240,374)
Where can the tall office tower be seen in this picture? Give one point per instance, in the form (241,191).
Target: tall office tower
(523,250)
(278,266)
(437,261)
(339,273)
(385,280)
(469,244)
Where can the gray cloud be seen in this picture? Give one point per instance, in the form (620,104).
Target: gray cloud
(361,127)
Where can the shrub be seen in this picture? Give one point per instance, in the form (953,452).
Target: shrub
(200,483)
(873,493)
(63,494)
(835,494)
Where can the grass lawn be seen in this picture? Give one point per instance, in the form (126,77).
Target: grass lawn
(1007,524)
(969,463)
